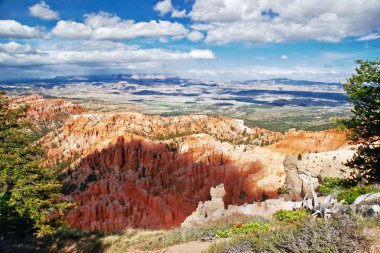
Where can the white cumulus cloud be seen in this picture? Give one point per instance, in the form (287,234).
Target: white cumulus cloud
(13,29)
(93,54)
(71,29)
(164,7)
(129,30)
(105,26)
(43,11)
(101,19)
(16,48)
(257,21)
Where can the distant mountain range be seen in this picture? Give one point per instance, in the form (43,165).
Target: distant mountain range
(151,79)
(287,81)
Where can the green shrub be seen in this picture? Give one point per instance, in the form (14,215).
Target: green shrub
(223,233)
(291,215)
(349,195)
(242,228)
(331,185)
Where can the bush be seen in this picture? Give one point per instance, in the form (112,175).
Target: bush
(291,215)
(349,195)
(242,228)
(331,185)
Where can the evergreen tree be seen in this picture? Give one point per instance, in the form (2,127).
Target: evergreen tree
(363,90)
(30,198)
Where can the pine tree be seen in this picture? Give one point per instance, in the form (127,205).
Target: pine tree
(30,198)
(363,90)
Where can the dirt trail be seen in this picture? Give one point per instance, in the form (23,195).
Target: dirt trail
(190,247)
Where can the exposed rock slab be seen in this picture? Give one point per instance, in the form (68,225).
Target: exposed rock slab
(300,168)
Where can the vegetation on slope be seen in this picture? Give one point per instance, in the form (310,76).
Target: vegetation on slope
(340,235)
(245,234)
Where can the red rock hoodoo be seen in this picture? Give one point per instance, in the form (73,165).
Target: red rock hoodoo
(135,183)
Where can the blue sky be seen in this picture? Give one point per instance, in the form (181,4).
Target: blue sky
(202,39)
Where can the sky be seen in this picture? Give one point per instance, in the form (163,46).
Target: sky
(201,39)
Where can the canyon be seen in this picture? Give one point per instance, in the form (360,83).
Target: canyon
(127,169)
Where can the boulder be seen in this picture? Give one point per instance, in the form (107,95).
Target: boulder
(368,199)
(369,210)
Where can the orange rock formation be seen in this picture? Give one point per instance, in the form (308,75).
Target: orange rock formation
(42,110)
(134,170)
(120,179)
(45,109)
(299,142)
